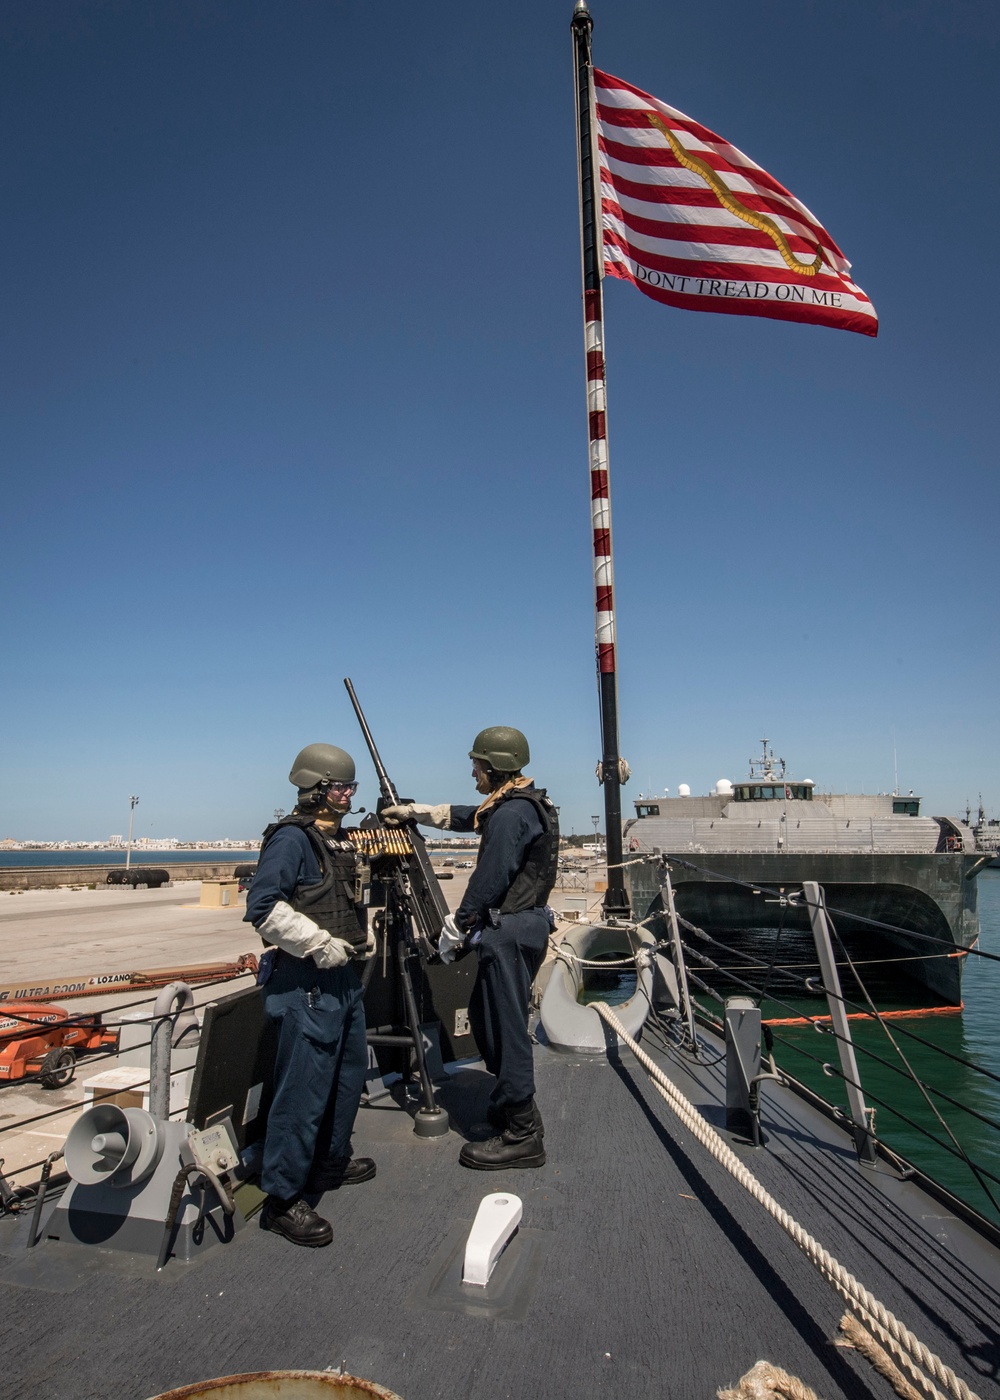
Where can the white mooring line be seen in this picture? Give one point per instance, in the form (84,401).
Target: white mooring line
(918,1361)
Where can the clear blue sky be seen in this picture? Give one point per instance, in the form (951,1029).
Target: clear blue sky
(292,382)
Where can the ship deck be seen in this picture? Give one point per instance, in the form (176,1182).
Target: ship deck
(641,1269)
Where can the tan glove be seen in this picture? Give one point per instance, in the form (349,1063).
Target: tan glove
(439,816)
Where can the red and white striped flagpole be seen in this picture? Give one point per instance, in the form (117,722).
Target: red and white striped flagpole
(616,901)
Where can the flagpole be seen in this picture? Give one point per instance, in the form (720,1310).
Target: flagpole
(616,901)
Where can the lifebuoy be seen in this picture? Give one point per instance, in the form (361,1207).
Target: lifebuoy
(788,792)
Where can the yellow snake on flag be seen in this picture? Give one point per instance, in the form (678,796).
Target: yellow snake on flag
(729,201)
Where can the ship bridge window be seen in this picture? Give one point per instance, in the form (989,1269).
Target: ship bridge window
(766,792)
(906,806)
(647,809)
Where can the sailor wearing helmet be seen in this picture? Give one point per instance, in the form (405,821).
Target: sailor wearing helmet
(504,918)
(307,903)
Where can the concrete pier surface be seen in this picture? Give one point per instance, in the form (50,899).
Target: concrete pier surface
(65,933)
(72,932)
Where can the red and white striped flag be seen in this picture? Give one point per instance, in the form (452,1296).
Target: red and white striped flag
(693,222)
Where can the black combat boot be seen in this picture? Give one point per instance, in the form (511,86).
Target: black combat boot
(297,1221)
(340,1171)
(519,1145)
(497,1118)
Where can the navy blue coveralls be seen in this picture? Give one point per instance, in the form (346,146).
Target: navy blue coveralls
(322,1057)
(510,954)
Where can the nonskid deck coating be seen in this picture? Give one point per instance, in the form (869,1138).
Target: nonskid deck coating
(659,1277)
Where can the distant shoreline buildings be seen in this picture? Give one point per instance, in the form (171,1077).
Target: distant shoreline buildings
(140,843)
(173,843)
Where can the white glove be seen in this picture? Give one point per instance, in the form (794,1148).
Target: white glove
(335,952)
(421,812)
(370,948)
(302,937)
(450,941)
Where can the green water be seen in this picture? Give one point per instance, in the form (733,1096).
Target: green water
(615,986)
(973,1034)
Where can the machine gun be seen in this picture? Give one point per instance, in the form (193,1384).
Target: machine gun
(412,918)
(415,878)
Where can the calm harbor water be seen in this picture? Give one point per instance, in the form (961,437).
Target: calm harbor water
(116,856)
(972,1034)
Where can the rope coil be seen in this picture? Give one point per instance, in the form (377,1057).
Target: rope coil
(915,1358)
(768,1382)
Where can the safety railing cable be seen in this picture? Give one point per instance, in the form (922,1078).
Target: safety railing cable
(20,1123)
(913,1076)
(953,1148)
(864,1008)
(84,1016)
(919,1361)
(17,1124)
(918,1127)
(819,1023)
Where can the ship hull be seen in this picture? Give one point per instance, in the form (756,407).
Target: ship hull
(922,896)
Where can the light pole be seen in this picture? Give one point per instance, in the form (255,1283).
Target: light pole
(131,815)
(597,835)
(279,812)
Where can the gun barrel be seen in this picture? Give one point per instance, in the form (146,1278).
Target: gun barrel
(428,906)
(385,782)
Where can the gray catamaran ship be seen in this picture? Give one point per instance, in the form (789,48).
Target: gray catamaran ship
(903,880)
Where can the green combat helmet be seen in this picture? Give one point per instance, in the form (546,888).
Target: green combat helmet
(503,748)
(321,763)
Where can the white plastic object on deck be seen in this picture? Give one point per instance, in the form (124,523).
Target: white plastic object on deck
(496,1220)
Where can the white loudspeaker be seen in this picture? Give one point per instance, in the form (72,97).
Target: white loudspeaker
(112,1146)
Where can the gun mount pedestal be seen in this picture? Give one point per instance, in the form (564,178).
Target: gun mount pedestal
(396,929)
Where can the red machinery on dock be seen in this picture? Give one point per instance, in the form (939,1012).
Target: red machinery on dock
(44,1041)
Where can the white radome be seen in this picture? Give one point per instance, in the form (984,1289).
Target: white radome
(683,790)
(723,788)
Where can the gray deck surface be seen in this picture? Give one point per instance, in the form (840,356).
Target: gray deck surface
(656,1275)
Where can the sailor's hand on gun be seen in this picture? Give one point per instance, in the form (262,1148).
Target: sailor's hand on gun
(452,938)
(335,952)
(421,812)
(370,949)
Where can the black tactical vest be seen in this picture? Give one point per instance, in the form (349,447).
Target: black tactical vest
(335,904)
(536,878)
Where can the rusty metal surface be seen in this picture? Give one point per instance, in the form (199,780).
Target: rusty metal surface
(283,1385)
(43,988)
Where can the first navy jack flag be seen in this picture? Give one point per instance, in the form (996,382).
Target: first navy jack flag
(693,222)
